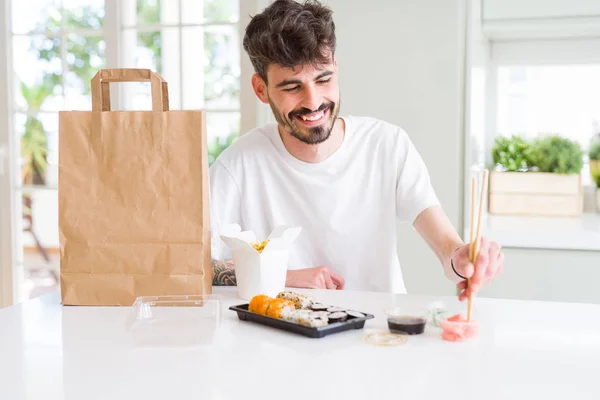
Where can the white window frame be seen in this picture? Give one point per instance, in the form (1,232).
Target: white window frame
(7,229)
(531,53)
(519,52)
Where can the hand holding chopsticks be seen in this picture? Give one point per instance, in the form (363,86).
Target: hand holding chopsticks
(475,243)
(481,260)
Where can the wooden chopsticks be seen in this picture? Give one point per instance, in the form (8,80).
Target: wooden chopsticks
(475,231)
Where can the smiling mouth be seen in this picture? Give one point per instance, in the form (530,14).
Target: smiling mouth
(313,118)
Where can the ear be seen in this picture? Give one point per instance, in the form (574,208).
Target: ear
(260,88)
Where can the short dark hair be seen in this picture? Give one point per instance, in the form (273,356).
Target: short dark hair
(289,34)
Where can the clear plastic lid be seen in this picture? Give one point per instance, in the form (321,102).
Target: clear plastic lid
(174,320)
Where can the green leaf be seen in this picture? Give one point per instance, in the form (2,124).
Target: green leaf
(595,171)
(218,145)
(556,154)
(510,153)
(594,152)
(34,149)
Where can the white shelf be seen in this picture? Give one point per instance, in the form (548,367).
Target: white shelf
(577,233)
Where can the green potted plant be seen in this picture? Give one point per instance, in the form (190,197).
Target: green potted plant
(510,153)
(594,154)
(536,177)
(555,154)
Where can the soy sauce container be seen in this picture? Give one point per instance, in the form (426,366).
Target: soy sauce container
(408,320)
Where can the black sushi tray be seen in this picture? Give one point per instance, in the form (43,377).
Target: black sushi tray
(318,332)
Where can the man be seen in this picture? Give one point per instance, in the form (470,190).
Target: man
(344,181)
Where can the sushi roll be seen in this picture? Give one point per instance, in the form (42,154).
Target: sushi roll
(312,321)
(355,314)
(296,315)
(338,316)
(319,307)
(279,307)
(316,322)
(307,318)
(258,304)
(319,314)
(264,306)
(336,309)
(301,301)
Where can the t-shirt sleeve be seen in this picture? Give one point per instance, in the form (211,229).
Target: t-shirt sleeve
(414,192)
(225,206)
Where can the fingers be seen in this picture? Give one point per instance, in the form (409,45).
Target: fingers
(481,264)
(317,282)
(462,264)
(500,264)
(463,288)
(337,279)
(495,267)
(466,269)
(499,270)
(327,279)
(491,269)
(321,277)
(489,264)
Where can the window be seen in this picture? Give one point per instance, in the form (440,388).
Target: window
(57,47)
(539,100)
(560,99)
(195,46)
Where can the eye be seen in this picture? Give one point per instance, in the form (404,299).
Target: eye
(324,80)
(292,89)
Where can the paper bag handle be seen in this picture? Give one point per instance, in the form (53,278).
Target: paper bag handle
(101,87)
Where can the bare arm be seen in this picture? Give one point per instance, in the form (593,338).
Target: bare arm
(223,273)
(435,228)
(318,277)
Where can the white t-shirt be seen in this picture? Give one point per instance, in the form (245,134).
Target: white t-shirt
(347,205)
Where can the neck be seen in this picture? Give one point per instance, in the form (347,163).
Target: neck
(314,153)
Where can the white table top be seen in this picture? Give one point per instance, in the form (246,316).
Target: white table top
(525,350)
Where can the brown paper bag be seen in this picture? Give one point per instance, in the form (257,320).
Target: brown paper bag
(133,199)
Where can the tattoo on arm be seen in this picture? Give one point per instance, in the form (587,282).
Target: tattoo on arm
(223,273)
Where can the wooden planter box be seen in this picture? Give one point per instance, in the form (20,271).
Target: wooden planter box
(535,193)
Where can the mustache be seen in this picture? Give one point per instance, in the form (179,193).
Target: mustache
(306,111)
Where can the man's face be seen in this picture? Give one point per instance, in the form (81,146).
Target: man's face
(305,100)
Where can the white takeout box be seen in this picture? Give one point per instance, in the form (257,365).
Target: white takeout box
(259,273)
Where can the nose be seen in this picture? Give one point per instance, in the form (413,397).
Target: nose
(312,98)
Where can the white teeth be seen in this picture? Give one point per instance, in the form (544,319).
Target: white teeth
(313,117)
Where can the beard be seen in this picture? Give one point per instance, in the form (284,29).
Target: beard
(312,135)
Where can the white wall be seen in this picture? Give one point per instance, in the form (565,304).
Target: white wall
(535,9)
(7,235)
(541,19)
(403,61)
